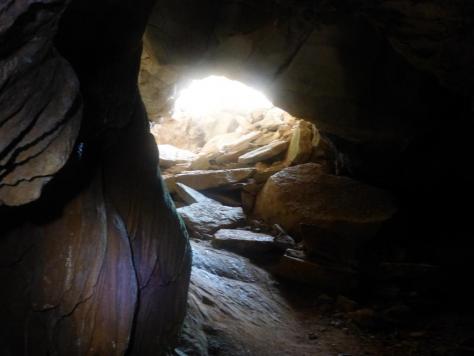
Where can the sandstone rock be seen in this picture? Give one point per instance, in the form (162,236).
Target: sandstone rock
(245,243)
(304,194)
(304,138)
(171,155)
(321,276)
(40,105)
(182,133)
(272,119)
(235,308)
(265,171)
(204,218)
(217,144)
(209,178)
(264,153)
(191,196)
(267,138)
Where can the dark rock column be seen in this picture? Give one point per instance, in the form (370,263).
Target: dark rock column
(100,263)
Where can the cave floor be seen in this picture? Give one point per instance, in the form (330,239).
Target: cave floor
(237,308)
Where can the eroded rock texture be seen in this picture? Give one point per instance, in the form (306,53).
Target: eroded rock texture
(100,263)
(40,107)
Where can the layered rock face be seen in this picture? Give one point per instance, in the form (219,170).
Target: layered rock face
(100,263)
(40,103)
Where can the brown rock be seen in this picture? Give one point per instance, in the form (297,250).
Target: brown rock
(171,155)
(264,153)
(209,179)
(191,196)
(304,194)
(305,136)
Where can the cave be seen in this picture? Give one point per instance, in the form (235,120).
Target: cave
(332,218)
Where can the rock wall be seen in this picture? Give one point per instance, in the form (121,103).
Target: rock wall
(100,262)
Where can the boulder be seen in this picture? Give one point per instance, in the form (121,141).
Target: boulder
(205,218)
(304,194)
(206,179)
(245,243)
(263,153)
(171,155)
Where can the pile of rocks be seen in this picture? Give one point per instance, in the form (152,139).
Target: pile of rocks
(262,179)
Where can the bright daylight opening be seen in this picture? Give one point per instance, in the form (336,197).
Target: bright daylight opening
(214,94)
(224,139)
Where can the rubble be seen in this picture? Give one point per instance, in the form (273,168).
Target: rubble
(254,181)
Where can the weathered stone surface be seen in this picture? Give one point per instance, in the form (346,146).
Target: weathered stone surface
(100,263)
(263,153)
(263,171)
(191,196)
(210,179)
(171,155)
(204,218)
(304,139)
(40,106)
(234,308)
(304,194)
(245,243)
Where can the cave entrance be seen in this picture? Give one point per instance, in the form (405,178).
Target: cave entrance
(223,139)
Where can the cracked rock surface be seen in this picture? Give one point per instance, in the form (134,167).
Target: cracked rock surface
(40,106)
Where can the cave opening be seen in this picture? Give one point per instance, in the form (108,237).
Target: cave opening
(137,217)
(224,138)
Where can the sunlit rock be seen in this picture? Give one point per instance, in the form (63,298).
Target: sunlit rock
(191,196)
(209,179)
(263,153)
(304,139)
(206,217)
(171,155)
(245,243)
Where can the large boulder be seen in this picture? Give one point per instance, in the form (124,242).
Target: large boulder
(303,194)
(207,216)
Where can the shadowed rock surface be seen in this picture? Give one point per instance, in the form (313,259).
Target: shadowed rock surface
(94,259)
(100,263)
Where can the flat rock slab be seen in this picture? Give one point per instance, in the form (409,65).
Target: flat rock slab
(191,196)
(264,153)
(206,179)
(171,155)
(246,243)
(205,218)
